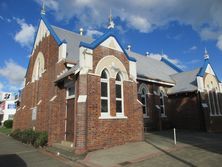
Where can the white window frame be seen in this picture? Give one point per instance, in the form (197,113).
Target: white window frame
(67,92)
(108,94)
(163,105)
(122,98)
(215,103)
(141,88)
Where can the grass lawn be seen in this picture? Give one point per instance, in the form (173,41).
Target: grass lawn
(5,130)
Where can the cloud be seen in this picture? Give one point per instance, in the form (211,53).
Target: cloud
(193,48)
(219,42)
(13,73)
(5,19)
(93,33)
(1,87)
(25,36)
(158,56)
(143,15)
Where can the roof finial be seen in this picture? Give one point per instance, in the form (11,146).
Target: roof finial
(206,55)
(162,53)
(111,23)
(43,7)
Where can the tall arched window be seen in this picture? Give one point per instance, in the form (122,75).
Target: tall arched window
(105,92)
(143,90)
(119,94)
(162,105)
(38,67)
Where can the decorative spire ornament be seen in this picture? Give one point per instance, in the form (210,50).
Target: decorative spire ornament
(111,23)
(206,55)
(43,7)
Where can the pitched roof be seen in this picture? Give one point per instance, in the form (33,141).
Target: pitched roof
(71,71)
(73,40)
(148,67)
(185,82)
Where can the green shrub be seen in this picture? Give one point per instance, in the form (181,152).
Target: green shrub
(29,136)
(8,123)
(16,133)
(41,140)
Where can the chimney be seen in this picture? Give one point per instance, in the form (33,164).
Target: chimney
(147,53)
(129,47)
(81,31)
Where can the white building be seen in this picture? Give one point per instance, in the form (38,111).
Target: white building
(7,106)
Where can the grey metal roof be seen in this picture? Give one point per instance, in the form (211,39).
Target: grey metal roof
(73,39)
(185,82)
(148,67)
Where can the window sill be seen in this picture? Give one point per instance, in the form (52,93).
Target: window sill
(219,115)
(70,97)
(113,117)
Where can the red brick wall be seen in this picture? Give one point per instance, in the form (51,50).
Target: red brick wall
(154,121)
(50,115)
(211,123)
(109,132)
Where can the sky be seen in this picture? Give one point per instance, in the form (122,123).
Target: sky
(178,30)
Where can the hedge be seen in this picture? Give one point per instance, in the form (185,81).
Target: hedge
(8,124)
(32,137)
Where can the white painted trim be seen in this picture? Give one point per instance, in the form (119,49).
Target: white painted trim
(108,93)
(154,81)
(40,101)
(113,117)
(53,98)
(70,65)
(122,95)
(82,98)
(200,84)
(113,66)
(132,70)
(62,51)
(112,44)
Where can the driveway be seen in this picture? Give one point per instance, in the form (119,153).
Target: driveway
(192,149)
(16,154)
(199,149)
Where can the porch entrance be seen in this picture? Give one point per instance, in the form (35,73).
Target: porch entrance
(70,119)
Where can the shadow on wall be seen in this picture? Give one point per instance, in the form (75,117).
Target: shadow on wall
(11,160)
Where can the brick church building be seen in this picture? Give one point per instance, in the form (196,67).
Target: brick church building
(94,93)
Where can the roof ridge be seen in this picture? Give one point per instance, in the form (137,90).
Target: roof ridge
(74,33)
(183,72)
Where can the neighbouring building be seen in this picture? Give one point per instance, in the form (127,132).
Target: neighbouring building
(95,94)
(7,106)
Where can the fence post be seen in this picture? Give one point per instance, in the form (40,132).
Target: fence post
(174,135)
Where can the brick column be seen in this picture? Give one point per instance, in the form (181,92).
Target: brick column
(81,116)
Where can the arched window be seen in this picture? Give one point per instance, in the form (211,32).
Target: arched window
(119,94)
(143,99)
(105,92)
(162,105)
(38,67)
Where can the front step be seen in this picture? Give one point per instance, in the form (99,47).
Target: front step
(64,145)
(65,154)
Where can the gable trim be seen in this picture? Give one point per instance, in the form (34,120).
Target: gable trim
(204,68)
(52,32)
(109,33)
(169,63)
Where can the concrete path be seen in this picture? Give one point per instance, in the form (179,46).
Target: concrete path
(15,154)
(192,149)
